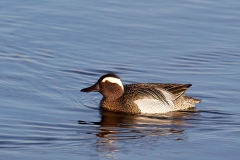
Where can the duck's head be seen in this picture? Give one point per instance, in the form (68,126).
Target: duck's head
(109,85)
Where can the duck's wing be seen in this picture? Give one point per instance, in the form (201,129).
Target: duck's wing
(157,98)
(176,89)
(155,93)
(154,100)
(159,91)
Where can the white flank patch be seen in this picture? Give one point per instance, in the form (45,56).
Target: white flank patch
(154,106)
(113,80)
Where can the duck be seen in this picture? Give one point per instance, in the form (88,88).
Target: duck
(141,98)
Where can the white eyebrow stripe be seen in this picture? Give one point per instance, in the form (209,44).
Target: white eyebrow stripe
(114,80)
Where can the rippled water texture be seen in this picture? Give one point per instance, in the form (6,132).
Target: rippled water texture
(49,50)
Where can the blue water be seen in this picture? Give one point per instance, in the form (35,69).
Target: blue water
(49,50)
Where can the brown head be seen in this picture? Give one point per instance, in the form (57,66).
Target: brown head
(109,85)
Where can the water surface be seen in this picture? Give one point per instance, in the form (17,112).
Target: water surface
(49,50)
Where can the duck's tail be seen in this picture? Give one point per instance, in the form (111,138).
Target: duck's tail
(185,102)
(194,100)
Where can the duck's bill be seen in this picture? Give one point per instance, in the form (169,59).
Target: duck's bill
(93,88)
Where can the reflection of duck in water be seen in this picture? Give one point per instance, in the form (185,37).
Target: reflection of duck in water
(113,124)
(141,98)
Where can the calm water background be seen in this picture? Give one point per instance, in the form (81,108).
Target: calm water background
(49,50)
